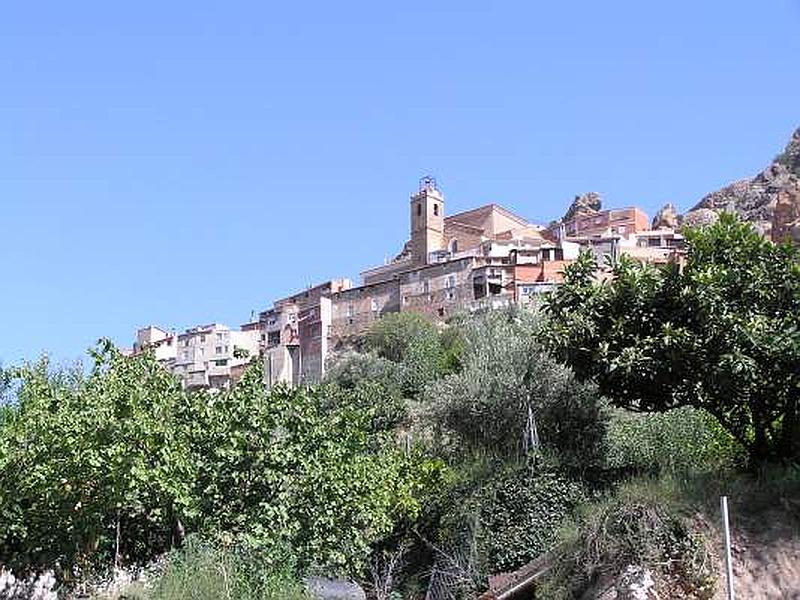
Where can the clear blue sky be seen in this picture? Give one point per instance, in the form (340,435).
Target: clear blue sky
(186,162)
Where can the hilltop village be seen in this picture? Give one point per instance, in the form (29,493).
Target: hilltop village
(487,257)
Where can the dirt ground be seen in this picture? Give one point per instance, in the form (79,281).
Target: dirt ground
(766,554)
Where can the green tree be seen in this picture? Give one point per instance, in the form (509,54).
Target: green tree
(413,341)
(299,472)
(721,333)
(121,464)
(510,392)
(92,469)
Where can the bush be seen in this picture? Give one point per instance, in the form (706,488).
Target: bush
(497,517)
(683,439)
(201,571)
(298,470)
(371,383)
(507,383)
(92,470)
(412,341)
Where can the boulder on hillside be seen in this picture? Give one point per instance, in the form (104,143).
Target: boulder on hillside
(323,588)
(586,204)
(786,216)
(666,218)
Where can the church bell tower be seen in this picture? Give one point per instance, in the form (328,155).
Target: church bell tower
(427,221)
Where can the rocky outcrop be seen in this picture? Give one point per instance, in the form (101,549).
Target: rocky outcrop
(770,200)
(790,157)
(786,216)
(584,205)
(667,218)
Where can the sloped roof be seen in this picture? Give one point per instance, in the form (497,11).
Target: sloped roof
(482,216)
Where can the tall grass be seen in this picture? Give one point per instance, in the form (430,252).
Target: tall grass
(202,571)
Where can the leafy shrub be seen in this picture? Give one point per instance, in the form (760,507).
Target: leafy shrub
(294,470)
(683,439)
(350,369)
(373,384)
(411,340)
(507,516)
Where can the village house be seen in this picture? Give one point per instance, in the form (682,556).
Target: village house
(206,356)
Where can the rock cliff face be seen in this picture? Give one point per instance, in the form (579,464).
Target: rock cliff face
(584,205)
(770,200)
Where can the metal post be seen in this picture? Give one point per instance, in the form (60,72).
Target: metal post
(728,559)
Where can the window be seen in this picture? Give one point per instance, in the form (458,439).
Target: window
(202,351)
(221,363)
(436,210)
(186,343)
(219,337)
(451,295)
(273,338)
(453,246)
(202,338)
(419,209)
(350,310)
(451,281)
(374,305)
(185,355)
(218,349)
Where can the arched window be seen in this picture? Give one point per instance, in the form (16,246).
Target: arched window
(453,246)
